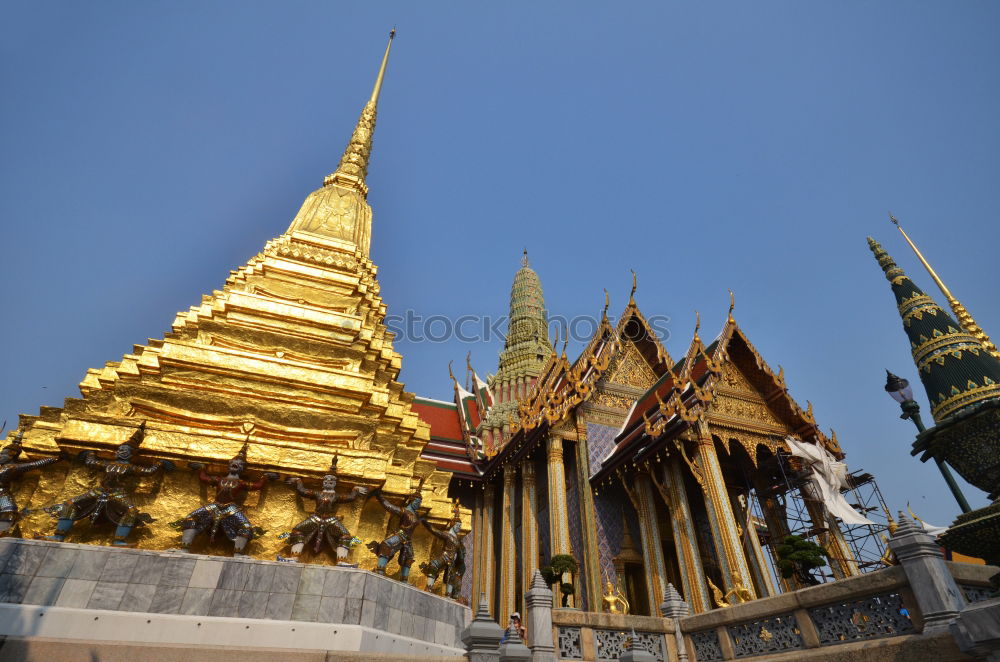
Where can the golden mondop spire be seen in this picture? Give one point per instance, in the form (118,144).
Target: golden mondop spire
(964,316)
(340,210)
(353,166)
(292,345)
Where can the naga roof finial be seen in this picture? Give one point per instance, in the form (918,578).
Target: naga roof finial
(635,284)
(732,305)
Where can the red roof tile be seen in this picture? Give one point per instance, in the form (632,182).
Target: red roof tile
(442,417)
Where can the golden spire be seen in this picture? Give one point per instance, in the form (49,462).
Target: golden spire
(963,315)
(353,166)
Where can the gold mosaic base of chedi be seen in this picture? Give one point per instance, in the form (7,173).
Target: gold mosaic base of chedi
(293,345)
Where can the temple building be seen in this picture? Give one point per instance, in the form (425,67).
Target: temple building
(647,469)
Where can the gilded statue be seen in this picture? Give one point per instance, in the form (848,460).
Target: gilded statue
(452,558)
(226,512)
(739,593)
(717,597)
(323,525)
(402,540)
(10,471)
(112,499)
(888,558)
(614,600)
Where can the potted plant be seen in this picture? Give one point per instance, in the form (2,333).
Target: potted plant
(555,573)
(798,557)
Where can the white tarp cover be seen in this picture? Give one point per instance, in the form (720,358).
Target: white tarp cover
(931,530)
(828,476)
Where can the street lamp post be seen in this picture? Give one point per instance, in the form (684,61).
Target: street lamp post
(900,391)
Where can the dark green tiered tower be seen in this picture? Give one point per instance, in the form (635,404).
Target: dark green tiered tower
(962,380)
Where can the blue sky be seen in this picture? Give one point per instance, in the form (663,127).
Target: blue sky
(149,148)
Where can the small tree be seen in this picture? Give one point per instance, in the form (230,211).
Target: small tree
(798,557)
(553,572)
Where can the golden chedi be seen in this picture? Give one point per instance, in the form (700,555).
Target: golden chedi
(292,356)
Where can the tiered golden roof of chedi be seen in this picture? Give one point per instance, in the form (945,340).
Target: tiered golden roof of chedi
(293,349)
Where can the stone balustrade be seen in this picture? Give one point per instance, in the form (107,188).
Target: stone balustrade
(877,610)
(585,635)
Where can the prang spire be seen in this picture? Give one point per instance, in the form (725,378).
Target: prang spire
(353,166)
(963,315)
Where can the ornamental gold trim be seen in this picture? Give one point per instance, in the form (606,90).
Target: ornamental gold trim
(952,404)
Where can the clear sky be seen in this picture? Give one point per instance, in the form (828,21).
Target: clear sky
(148,148)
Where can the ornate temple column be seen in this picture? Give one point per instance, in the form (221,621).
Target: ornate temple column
(842,561)
(688,559)
(720,514)
(752,549)
(652,549)
(508,552)
(529,525)
(558,513)
(591,560)
(559,542)
(477,541)
(484,552)
(777,523)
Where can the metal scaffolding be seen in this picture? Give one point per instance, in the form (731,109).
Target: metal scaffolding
(866,542)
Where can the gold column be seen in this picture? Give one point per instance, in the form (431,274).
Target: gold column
(777,528)
(692,573)
(558,513)
(752,549)
(559,542)
(486,556)
(529,525)
(652,548)
(477,548)
(720,514)
(508,553)
(590,560)
(842,561)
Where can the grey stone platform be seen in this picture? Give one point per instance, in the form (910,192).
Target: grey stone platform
(76,578)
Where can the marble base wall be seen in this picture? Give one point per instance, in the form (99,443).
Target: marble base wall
(87,577)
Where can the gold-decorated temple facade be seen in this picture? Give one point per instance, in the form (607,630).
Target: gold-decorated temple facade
(640,465)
